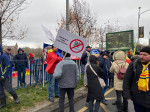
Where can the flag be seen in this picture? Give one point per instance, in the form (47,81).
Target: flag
(48,33)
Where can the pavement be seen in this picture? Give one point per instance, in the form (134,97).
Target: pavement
(79,103)
(47,106)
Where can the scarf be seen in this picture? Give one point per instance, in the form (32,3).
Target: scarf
(143,83)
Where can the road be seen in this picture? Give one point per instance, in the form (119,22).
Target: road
(110,97)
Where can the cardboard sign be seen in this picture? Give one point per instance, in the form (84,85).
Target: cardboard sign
(70,43)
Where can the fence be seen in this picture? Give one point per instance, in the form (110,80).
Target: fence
(27,73)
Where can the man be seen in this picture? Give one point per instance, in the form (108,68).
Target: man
(31,58)
(52,60)
(11,58)
(84,58)
(4,79)
(21,63)
(68,74)
(105,65)
(136,82)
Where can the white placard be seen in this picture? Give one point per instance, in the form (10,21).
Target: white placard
(70,43)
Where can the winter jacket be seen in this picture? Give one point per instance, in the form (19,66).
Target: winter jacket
(52,61)
(21,59)
(85,56)
(120,59)
(105,65)
(11,58)
(31,58)
(67,72)
(4,64)
(130,85)
(94,88)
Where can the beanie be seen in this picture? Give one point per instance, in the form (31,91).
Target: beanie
(146,49)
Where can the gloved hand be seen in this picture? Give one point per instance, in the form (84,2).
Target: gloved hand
(2,79)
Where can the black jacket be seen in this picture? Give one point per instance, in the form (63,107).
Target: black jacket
(94,88)
(21,60)
(130,85)
(84,57)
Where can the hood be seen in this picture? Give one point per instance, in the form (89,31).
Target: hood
(93,59)
(104,54)
(20,50)
(1,50)
(31,55)
(119,55)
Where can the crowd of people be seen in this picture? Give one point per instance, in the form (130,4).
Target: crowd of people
(8,61)
(128,77)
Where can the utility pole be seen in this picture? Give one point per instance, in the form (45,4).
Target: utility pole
(67,15)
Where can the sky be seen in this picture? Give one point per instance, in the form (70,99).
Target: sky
(48,12)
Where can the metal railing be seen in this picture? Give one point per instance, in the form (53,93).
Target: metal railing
(27,73)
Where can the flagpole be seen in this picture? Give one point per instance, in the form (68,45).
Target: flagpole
(43,68)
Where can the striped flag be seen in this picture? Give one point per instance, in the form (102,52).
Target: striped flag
(48,33)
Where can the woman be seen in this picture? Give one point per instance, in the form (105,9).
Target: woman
(119,58)
(95,91)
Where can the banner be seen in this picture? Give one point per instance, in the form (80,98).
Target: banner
(48,33)
(70,43)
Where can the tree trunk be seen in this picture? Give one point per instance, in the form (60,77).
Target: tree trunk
(0,32)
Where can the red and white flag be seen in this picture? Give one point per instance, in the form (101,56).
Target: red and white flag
(48,33)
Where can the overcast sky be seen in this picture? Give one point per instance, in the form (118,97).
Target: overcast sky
(47,12)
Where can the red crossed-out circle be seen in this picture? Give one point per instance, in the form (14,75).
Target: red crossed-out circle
(71,48)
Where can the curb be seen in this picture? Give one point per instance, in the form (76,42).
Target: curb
(53,107)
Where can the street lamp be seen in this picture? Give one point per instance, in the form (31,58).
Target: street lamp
(67,15)
(139,14)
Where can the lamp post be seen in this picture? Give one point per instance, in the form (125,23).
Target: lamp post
(139,14)
(67,15)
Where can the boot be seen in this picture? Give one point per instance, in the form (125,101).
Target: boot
(3,102)
(16,98)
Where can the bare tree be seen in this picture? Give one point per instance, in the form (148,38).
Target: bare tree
(9,13)
(81,21)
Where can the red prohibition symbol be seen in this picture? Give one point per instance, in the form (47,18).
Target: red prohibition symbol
(76,45)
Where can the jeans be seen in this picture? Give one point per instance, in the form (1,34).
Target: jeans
(31,67)
(140,108)
(6,83)
(119,102)
(91,105)
(105,88)
(21,70)
(50,87)
(70,93)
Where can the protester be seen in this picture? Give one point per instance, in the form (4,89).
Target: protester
(11,58)
(95,91)
(86,82)
(119,58)
(105,65)
(68,74)
(4,79)
(52,60)
(31,58)
(84,58)
(21,63)
(136,82)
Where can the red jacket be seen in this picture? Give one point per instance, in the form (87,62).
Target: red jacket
(52,61)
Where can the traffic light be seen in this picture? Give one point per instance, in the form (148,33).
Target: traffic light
(141,32)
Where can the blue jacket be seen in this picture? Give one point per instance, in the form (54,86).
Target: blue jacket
(11,58)
(105,65)
(4,64)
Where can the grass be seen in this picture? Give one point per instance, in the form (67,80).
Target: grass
(29,97)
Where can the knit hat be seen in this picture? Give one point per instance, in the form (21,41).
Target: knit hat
(104,54)
(146,49)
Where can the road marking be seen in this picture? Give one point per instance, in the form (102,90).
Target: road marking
(107,92)
(83,109)
(110,98)
(102,105)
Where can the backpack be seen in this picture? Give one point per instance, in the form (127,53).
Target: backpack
(122,71)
